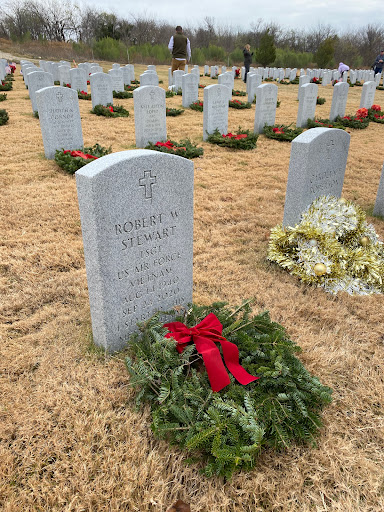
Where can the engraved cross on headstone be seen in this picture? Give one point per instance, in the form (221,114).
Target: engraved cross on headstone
(147,183)
(59,96)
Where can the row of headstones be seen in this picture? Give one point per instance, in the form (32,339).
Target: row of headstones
(308,92)
(326,75)
(136,211)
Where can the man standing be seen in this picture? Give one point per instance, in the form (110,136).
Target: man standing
(180,47)
(379,62)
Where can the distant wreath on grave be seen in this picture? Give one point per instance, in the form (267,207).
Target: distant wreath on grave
(242,139)
(3,97)
(236,92)
(184,148)
(72,160)
(320,101)
(375,114)
(130,88)
(239,104)
(83,95)
(332,247)
(359,121)
(122,95)
(224,421)
(282,132)
(110,111)
(173,111)
(5,85)
(324,123)
(4,117)
(197,105)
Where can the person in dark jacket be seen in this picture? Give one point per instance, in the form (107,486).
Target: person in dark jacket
(247,60)
(379,62)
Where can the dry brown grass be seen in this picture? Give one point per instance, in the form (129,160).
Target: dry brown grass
(70,439)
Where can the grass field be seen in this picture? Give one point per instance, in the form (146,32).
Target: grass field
(70,438)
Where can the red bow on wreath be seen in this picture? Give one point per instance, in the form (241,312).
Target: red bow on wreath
(204,335)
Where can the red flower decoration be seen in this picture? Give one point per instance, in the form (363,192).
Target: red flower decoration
(376,107)
(86,156)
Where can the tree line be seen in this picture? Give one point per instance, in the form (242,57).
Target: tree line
(112,37)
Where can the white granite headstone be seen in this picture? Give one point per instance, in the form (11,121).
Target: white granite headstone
(265,106)
(215,114)
(316,168)
(150,115)
(136,210)
(59,117)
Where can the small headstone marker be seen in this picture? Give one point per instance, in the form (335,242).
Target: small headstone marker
(379,204)
(316,168)
(303,79)
(215,114)
(64,75)
(339,100)
(265,106)
(38,80)
(177,79)
(190,88)
(150,115)
(136,210)
(78,77)
(149,79)
(253,82)
(368,94)
(101,89)
(307,104)
(117,79)
(59,117)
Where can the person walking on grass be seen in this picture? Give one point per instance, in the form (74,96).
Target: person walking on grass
(180,48)
(247,60)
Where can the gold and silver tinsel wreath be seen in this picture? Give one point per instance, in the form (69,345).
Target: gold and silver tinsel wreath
(333,247)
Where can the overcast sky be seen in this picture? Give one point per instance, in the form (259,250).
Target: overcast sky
(340,14)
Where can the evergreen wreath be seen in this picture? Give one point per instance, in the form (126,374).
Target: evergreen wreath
(197,105)
(332,247)
(83,95)
(320,101)
(323,123)
(282,132)
(295,81)
(358,121)
(184,148)
(130,87)
(71,161)
(201,86)
(226,430)
(5,86)
(236,92)
(173,111)
(169,94)
(122,95)
(135,82)
(110,111)
(375,114)
(3,97)
(242,139)
(3,117)
(239,104)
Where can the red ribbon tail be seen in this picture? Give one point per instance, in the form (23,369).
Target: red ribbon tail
(231,358)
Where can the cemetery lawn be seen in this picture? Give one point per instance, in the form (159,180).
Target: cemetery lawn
(70,436)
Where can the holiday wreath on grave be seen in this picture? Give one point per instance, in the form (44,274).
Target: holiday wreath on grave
(236,92)
(122,95)
(358,121)
(281,132)
(269,399)
(83,95)
(197,105)
(184,148)
(242,139)
(72,160)
(320,101)
(3,97)
(323,123)
(173,111)
(130,87)
(375,114)
(332,247)
(5,86)
(3,117)
(239,104)
(110,111)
